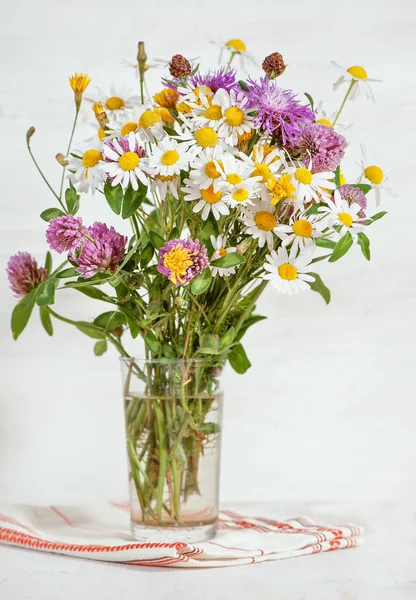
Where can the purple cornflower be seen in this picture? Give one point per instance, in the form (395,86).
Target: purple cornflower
(278,110)
(24,274)
(65,233)
(182,260)
(354,195)
(321,144)
(215,80)
(101,251)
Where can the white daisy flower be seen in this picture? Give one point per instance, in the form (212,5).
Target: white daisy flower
(200,139)
(286,271)
(324,118)
(374,176)
(265,161)
(207,114)
(235,180)
(234,47)
(85,168)
(301,233)
(150,123)
(122,125)
(162,184)
(118,102)
(341,214)
(204,172)
(168,158)
(260,222)
(358,75)
(236,120)
(220,249)
(194,95)
(309,186)
(124,159)
(208,200)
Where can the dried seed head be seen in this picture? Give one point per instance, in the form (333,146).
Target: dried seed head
(179,66)
(274,65)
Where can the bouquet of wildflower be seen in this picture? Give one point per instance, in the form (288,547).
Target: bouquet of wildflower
(228,185)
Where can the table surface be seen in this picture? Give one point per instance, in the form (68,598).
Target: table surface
(384,568)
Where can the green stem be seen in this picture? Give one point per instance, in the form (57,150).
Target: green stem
(353,82)
(249,308)
(68,149)
(43,176)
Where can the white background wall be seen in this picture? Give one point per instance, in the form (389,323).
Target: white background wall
(328,409)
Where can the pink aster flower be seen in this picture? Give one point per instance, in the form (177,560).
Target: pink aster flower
(65,234)
(278,110)
(24,274)
(101,251)
(123,161)
(321,144)
(182,260)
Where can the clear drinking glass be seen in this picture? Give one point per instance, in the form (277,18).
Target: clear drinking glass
(173,411)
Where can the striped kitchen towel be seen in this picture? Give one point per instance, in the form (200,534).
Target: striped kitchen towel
(101,532)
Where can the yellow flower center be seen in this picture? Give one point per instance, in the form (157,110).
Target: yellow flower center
(283,188)
(177,261)
(302,228)
(265,220)
(261,170)
(234,116)
(115,103)
(240,195)
(303,175)
(128,128)
(183,108)
(358,72)
(170,157)
(165,177)
(374,174)
(149,118)
(326,122)
(222,251)
(167,98)
(342,178)
(287,272)
(91,158)
(345,218)
(202,89)
(206,137)
(210,196)
(101,134)
(129,161)
(234,178)
(211,170)
(214,112)
(236,45)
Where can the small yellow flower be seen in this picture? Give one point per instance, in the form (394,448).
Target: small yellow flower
(167,98)
(281,188)
(79,83)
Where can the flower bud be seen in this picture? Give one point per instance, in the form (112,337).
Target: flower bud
(29,134)
(61,159)
(179,301)
(243,247)
(141,57)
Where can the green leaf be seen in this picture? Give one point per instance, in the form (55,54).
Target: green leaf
(378,216)
(210,227)
(69,272)
(93,292)
(209,340)
(228,338)
(131,202)
(134,326)
(72,200)
(110,320)
(228,260)
(201,283)
(248,323)
(156,239)
(90,330)
(238,359)
(319,286)
(100,347)
(51,213)
(114,196)
(170,131)
(310,99)
(337,179)
(45,319)
(364,244)
(243,85)
(152,342)
(21,313)
(168,351)
(209,428)
(45,293)
(325,243)
(146,255)
(341,248)
(364,187)
(174,234)
(48,263)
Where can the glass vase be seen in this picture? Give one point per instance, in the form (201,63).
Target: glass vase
(173,412)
